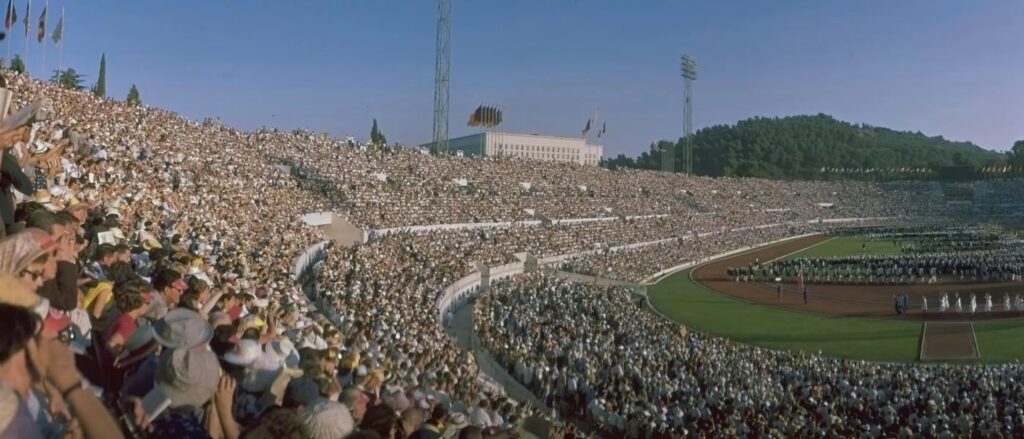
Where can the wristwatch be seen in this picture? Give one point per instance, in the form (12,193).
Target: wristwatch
(71,389)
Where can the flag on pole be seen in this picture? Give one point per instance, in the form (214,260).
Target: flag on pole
(42,26)
(58,32)
(12,15)
(586,129)
(28,13)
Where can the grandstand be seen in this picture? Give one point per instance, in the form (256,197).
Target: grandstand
(194,235)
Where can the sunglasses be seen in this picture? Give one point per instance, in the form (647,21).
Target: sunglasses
(35,275)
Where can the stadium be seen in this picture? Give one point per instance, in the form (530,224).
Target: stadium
(170,277)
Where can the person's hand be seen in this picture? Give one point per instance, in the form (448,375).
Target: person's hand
(58,408)
(66,250)
(9,138)
(54,361)
(74,430)
(225,396)
(139,414)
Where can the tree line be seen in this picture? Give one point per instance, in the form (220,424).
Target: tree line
(71,79)
(809,147)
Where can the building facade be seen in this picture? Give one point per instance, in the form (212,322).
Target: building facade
(532,146)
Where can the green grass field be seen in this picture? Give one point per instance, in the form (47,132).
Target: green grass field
(686,301)
(846,246)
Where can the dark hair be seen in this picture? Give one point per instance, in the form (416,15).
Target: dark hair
(471,432)
(439,413)
(64,218)
(226,296)
(192,295)
(128,295)
(379,418)
(165,278)
(196,284)
(42,219)
(309,362)
(26,209)
(19,327)
(104,251)
(278,422)
(121,272)
(221,341)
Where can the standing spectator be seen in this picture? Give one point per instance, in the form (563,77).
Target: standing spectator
(11,179)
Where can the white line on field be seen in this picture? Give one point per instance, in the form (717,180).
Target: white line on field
(802,250)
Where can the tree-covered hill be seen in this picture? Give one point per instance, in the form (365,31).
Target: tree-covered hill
(800,146)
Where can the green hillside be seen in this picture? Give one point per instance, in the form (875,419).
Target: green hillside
(799,146)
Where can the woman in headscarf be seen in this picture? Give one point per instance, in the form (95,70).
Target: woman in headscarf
(29,256)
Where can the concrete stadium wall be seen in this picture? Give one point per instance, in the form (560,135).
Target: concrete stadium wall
(317,219)
(307,258)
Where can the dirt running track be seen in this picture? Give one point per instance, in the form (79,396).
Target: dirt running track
(873,301)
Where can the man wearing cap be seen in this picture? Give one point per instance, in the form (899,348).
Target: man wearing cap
(169,286)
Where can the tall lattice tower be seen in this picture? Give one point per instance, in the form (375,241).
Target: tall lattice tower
(442,70)
(689,70)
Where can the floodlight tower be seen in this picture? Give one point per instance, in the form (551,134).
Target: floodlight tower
(442,69)
(689,70)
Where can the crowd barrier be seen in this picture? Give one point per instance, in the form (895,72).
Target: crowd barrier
(376,233)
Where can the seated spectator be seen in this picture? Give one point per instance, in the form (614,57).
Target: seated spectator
(434,426)
(131,298)
(169,287)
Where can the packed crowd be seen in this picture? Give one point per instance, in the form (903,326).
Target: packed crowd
(440,190)
(151,292)
(613,366)
(916,259)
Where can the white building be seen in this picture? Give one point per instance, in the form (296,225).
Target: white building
(533,146)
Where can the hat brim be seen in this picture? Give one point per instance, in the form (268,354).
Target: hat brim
(238,360)
(207,336)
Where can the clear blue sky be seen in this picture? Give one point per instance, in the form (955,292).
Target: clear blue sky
(948,67)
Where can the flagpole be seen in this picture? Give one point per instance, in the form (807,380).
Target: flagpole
(60,56)
(28,13)
(10,7)
(46,10)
